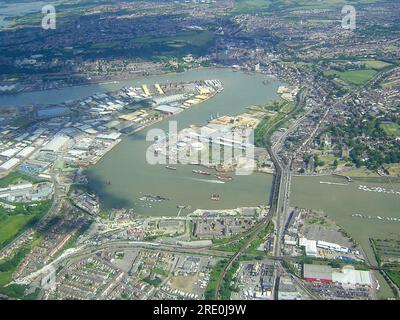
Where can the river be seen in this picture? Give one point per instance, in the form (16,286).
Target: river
(131,177)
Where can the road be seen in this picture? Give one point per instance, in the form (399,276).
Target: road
(245,246)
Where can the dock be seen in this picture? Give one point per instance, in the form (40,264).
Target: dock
(146,90)
(157,86)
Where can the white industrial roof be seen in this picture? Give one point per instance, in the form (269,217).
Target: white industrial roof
(348,275)
(26,152)
(9,152)
(56,143)
(9,164)
(169,109)
(110,136)
(310,246)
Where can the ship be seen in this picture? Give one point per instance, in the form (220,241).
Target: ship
(205,173)
(215,197)
(221,176)
(170,168)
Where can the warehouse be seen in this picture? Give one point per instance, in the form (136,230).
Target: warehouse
(111,136)
(310,247)
(9,153)
(168,109)
(26,152)
(56,143)
(9,164)
(33,167)
(351,277)
(332,246)
(313,272)
(169,99)
(51,112)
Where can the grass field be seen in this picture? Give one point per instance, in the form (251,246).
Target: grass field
(376,64)
(357,77)
(393,169)
(10,226)
(395,277)
(14,223)
(251,6)
(391,129)
(361,172)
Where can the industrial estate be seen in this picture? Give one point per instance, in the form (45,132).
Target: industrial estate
(200,150)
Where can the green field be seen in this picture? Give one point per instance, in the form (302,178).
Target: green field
(393,169)
(357,77)
(376,64)
(251,6)
(391,129)
(212,283)
(14,223)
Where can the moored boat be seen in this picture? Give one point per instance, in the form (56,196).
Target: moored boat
(215,197)
(223,177)
(204,173)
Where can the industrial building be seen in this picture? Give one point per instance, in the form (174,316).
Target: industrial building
(9,164)
(27,192)
(111,136)
(351,277)
(26,152)
(56,143)
(347,276)
(169,99)
(51,112)
(310,246)
(332,246)
(168,109)
(33,167)
(9,153)
(314,272)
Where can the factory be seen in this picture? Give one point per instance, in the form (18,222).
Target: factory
(168,109)
(26,152)
(27,192)
(310,247)
(56,143)
(51,112)
(33,167)
(314,272)
(8,165)
(347,276)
